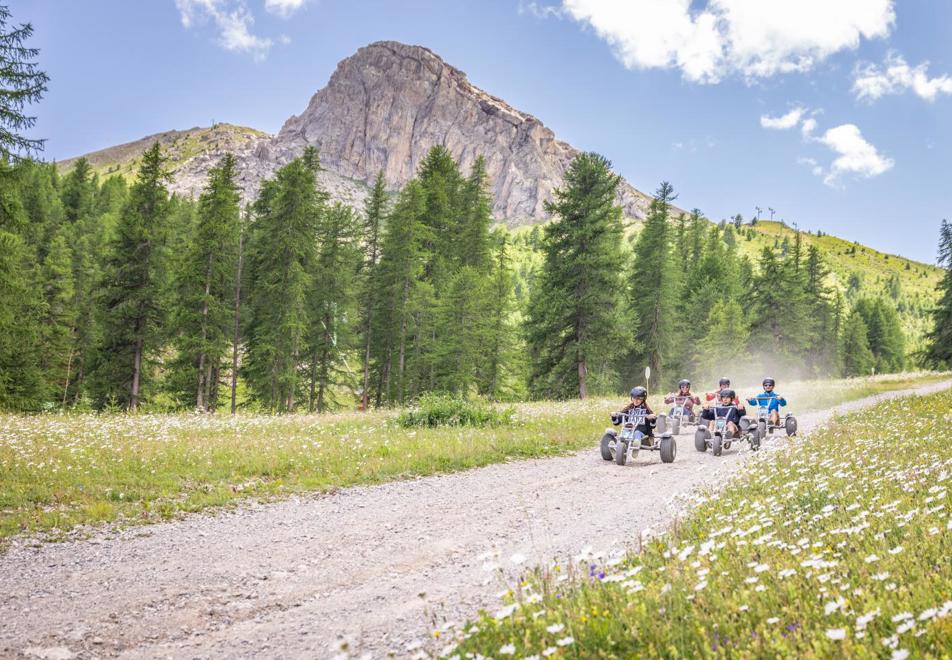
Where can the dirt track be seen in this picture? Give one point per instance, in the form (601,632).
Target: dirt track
(380,567)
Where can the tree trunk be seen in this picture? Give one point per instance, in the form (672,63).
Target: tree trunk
(136,375)
(403,335)
(69,365)
(582,373)
(202,380)
(310,398)
(323,382)
(235,337)
(366,395)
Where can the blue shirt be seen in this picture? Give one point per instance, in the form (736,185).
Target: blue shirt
(774,403)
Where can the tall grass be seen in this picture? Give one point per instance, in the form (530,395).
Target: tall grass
(837,546)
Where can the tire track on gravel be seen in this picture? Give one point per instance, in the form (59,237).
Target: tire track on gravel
(380,567)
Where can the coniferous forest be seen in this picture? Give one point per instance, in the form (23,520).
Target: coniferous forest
(122,296)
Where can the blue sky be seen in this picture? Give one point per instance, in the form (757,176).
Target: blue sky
(836,114)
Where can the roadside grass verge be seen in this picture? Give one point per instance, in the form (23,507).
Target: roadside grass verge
(60,471)
(839,545)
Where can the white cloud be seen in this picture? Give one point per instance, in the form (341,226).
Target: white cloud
(856,156)
(233,21)
(814,166)
(283,8)
(783,122)
(753,38)
(806,129)
(895,76)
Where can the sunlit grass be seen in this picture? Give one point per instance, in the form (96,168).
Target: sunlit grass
(834,546)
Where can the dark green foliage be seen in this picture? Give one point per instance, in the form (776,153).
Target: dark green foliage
(131,293)
(574,324)
(205,290)
(282,251)
(331,306)
(22,83)
(651,290)
(438,409)
(939,350)
(858,360)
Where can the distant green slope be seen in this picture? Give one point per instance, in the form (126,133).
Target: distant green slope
(873,270)
(179,146)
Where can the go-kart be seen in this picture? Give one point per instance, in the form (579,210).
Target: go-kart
(721,437)
(620,445)
(762,427)
(681,416)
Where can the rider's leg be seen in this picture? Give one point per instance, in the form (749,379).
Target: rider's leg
(775,417)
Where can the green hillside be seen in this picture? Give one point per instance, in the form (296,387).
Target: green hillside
(179,146)
(856,270)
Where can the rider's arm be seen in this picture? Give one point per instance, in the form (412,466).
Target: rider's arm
(781,400)
(669,398)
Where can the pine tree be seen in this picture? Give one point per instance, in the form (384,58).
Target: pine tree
(23,83)
(474,247)
(401,264)
(939,349)
(21,379)
(59,319)
(282,252)
(331,303)
(501,366)
(725,340)
(651,287)
(573,321)
(374,214)
(858,360)
(132,290)
(205,287)
(461,329)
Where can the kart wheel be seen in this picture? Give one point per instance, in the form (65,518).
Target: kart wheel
(676,425)
(790,424)
(621,452)
(700,439)
(669,449)
(755,439)
(716,445)
(744,425)
(762,427)
(661,426)
(608,446)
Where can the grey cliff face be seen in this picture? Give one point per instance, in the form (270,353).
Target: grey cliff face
(384,108)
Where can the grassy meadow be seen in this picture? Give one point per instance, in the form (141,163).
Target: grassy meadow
(60,471)
(836,546)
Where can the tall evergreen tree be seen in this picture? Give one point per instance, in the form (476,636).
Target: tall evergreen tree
(59,318)
(573,322)
(205,287)
(21,379)
(282,252)
(858,360)
(131,293)
(374,213)
(939,348)
(331,303)
(652,287)
(23,83)
(402,262)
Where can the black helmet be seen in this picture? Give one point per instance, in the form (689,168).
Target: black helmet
(684,382)
(639,391)
(724,381)
(769,381)
(726,392)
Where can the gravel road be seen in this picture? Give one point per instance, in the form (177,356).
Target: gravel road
(376,568)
